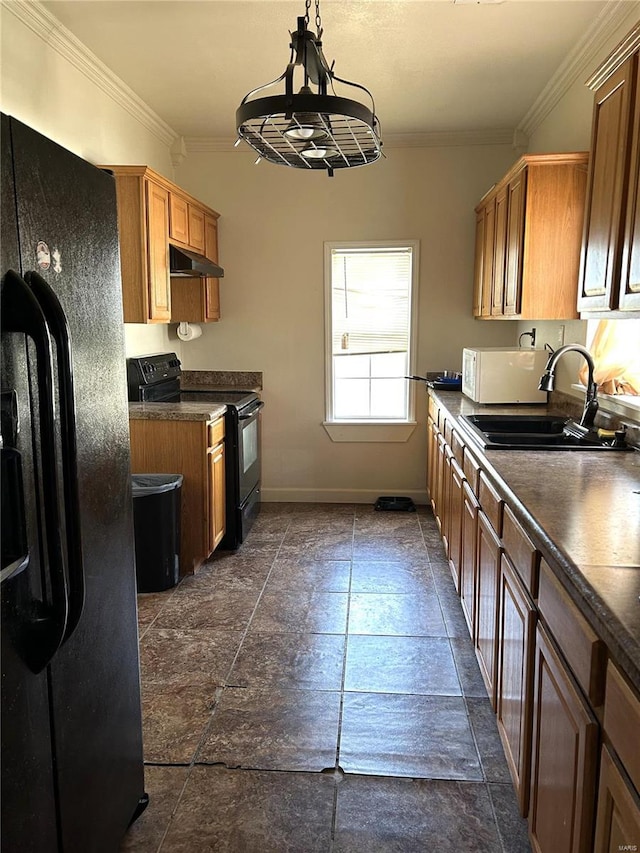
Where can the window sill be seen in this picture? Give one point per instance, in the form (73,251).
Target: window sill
(618,404)
(369,431)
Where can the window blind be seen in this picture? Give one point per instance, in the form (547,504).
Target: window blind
(371,300)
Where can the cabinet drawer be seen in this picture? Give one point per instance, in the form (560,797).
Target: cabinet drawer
(521,550)
(491,503)
(471,468)
(434,410)
(457,445)
(216,432)
(584,652)
(622,722)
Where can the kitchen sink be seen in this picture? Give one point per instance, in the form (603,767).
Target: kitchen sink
(535,432)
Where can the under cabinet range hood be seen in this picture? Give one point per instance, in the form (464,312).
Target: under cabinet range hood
(187,264)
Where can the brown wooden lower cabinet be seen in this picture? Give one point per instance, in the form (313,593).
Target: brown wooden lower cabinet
(564,758)
(618,816)
(487,576)
(195,450)
(514,687)
(469,556)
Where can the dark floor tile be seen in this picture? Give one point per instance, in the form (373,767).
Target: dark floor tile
(236,574)
(173,722)
(414,816)
(511,826)
(421,665)
(452,612)
(310,525)
(396,614)
(400,735)
(301,612)
(381,547)
(222,610)
(244,811)
(392,576)
(467,665)
(149,605)
(196,657)
(318,546)
(164,786)
(305,574)
(485,730)
(387,523)
(298,661)
(274,729)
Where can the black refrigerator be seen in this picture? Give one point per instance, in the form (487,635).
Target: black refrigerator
(72,769)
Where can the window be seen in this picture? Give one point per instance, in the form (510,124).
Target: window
(370,301)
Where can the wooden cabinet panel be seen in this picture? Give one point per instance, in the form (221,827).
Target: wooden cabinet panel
(514,244)
(499,253)
(486,599)
(521,550)
(471,468)
(445,511)
(478,271)
(157,206)
(196,228)
(618,814)
(583,650)
(212,285)
(432,460)
(564,758)
(611,129)
(216,495)
(455,522)
(622,722)
(491,503)
(469,556)
(488,248)
(178,218)
(629,299)
(516,629)
(438,510)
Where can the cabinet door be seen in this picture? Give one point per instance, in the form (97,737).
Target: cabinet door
(445,511)
(489,233)
(499,254)
(478,265)
(516,195)
(178,218)
(439,484)
(469,556)
(630,278)
(157,204)
(601,248)
(432,452)
(487,577)
(618,815)
(516,628)
(216,495)
(212,285)
(196,228)
(455,522)
(564,757)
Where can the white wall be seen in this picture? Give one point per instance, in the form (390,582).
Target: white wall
(46,91)
(273,224)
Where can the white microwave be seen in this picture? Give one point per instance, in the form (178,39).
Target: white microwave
(503,374)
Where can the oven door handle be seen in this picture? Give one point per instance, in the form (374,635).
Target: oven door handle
(254,411)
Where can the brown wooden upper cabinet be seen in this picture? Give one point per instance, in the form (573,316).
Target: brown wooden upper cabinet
(154,213)
(610,262)
(528,235)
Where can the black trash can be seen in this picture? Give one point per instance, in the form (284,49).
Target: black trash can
(156,521)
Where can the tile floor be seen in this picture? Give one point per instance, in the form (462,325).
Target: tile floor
(317,690)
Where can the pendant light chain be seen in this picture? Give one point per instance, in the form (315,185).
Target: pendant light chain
(318,21)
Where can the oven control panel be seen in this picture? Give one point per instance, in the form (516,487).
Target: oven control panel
(150,370)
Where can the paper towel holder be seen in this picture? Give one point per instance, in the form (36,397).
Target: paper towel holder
(188,331)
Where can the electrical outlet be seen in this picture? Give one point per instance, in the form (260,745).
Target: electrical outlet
(560,338)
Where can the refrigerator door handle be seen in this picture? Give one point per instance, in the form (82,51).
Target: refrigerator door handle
(45,626)
(59,328)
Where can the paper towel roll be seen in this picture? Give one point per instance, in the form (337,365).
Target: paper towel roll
(189,331)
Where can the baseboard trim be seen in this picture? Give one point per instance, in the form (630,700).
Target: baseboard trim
(351,496)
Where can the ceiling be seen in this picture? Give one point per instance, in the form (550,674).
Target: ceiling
(433,66)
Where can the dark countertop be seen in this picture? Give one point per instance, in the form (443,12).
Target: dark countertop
(176,411)
(582,511)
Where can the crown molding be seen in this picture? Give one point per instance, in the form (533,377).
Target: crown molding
(48,28)
(579,61)
(440,139)
(622,52)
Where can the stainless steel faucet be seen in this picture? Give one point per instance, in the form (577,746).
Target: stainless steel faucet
(548,378)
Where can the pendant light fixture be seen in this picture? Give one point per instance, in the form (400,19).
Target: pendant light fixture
(310,129)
